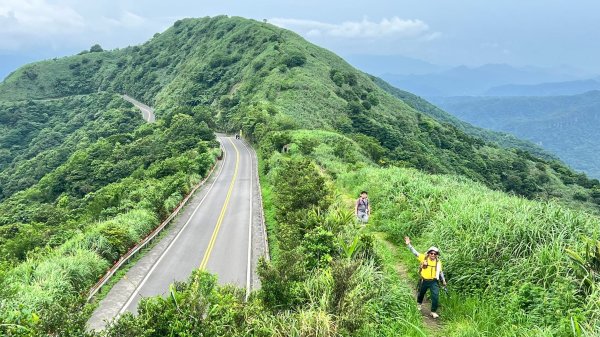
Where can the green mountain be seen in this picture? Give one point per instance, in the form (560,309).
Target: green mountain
(257,77)
(505,140)
(565,125)
(88,179)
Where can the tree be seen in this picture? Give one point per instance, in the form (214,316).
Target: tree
(96,49)
(294,59)
(300,187)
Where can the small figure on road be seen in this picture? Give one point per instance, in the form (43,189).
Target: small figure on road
(430,273)
(363,209)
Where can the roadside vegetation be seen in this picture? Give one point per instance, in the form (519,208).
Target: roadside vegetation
(327,277)
(59,235)
(245,73)
(517,237)
(515,267)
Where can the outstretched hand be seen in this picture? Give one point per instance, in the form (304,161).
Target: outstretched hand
(407,240)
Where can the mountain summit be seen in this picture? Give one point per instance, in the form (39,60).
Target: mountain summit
(256,77)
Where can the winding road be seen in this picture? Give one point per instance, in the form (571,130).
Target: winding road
(147,112)
(220,230)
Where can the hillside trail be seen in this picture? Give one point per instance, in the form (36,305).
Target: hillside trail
(433,325)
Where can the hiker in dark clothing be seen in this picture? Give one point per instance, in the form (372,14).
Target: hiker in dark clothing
(363,209)
(430,272)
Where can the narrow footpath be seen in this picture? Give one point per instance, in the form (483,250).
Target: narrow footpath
(433,326)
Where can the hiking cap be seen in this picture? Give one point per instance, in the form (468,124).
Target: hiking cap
(433,249)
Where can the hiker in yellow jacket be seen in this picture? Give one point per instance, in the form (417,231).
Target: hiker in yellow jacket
(430,272)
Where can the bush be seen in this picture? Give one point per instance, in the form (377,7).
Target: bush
(96,49)
(294,59)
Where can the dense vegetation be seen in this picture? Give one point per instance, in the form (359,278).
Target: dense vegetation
(244,73)
(37,136)
(326,280)
(516,267)
(508,259)
(565,125)
(328,276)
(505,140)
(106,181)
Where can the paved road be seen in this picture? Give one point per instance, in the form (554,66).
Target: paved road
(147,112)
(218,231)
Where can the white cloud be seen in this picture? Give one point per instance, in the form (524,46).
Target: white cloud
(490,45)
(37,17)
(393,27)
(28,24)
(126,20)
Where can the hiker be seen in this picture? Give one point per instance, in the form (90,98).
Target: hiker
(362,209)
(430,272)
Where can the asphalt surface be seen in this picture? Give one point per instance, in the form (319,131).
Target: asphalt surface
(147,112)
(218,231)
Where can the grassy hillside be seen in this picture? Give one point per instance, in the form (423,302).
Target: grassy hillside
(565,125)
(505,140)
(85,180)
(63,226)
(256,77)
(38,136)
(515,267)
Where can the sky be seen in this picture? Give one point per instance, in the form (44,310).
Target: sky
(451,32)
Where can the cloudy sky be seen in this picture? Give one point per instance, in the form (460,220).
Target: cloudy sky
(453,32)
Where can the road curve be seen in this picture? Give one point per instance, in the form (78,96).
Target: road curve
(147,112)
(218,231)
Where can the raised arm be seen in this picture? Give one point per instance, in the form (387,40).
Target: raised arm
(412,249)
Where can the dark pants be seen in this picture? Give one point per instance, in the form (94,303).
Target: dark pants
(432,285)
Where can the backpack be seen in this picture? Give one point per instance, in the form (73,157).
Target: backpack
(363,202)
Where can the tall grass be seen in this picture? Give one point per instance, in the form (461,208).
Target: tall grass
(56,277)
(505,256)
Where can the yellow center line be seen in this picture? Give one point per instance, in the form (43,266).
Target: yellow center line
(223,210)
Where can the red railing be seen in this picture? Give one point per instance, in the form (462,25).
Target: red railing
(148,238)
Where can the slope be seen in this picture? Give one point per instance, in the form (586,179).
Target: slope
(564,125)
(38,136)
(233,74)
(505,140)
(257,77)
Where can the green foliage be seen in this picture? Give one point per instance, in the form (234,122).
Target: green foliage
(505,252)
(39,135)
(300,187)
(107,186)
(294,59)
(310,288)
(243,75)
(503,139)
(96,49)
(565,125)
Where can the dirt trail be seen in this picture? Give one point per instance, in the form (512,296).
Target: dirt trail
(433,325)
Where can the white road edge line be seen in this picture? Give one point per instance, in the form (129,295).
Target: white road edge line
(137,289)
(249,265)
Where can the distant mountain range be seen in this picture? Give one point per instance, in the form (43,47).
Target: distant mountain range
(429,80)
(394,64)
(545,89)
(484,80)
(565,125)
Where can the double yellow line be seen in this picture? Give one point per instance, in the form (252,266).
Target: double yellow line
(213,238)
